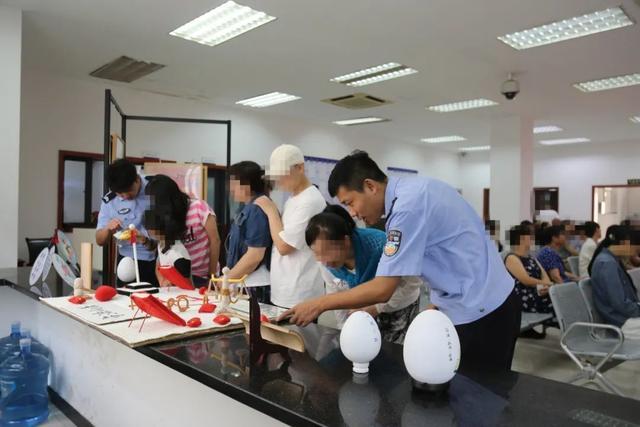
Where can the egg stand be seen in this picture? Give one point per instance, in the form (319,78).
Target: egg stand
(222,293)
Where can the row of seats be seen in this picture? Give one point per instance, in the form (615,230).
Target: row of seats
(594,346)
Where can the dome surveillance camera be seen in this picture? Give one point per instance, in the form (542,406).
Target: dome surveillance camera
(510,88)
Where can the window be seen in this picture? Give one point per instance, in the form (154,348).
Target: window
(546,199)
(80,177)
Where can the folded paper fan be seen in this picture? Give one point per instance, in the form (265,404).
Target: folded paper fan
(153,307)
(172,275)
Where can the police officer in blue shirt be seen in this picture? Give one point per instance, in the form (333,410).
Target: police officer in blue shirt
(125,204)
(434,233)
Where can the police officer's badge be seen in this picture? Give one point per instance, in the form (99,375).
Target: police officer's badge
(394,237)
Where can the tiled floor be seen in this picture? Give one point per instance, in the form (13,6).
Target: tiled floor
(546,359)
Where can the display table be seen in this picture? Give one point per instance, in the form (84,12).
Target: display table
(207,381)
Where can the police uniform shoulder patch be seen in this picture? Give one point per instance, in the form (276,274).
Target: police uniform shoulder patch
(394,238)
(109,197)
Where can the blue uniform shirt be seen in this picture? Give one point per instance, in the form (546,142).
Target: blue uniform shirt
(434,233)
(250,228)
(129,212)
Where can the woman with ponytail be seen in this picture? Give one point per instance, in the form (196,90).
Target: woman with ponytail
(350,256)
(189,221)
(614,294)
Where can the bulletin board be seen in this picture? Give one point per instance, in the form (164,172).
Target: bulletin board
(190,177)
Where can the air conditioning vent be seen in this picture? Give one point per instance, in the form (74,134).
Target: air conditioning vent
(125,69)
(357,101)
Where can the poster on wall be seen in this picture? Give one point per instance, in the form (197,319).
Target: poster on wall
(190,177)
(117,147)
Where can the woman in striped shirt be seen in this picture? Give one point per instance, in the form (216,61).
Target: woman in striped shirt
(201,237)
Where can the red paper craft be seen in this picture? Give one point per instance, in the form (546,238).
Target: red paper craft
(133,236)
(221,319)
(153,307)
(194,322)
(105,293)
(264,318)
(77,300)
(172,275)
(202,290)
(207,308)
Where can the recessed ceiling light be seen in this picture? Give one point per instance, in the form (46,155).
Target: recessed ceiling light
(462,105)
(360,121)
(376,74)
(579,26)
(635,119)
(441,139)
(547,129)
(268,99)
(609,83)
(564,141)
(223,23)
(476,148)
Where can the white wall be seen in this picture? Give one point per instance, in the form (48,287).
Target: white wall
(63,114)
(475,174)
(10,64)
(572,168)
(575,169)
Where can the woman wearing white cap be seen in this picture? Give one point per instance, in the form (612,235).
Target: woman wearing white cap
(295,274)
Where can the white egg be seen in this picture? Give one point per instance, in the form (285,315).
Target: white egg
(126,270)
(360,340)
(431,348)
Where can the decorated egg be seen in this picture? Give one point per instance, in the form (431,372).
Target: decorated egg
(127,270)
(431,348)
(360,340)
(105,293)
(221,319)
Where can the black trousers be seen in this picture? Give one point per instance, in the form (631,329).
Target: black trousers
(489,342)
(147,272)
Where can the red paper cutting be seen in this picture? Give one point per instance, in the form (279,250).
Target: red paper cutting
(207,308)
(77,300)
(153,307)
(221,319)
(194,322)
(172,275)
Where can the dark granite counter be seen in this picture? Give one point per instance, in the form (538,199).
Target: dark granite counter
(319,388)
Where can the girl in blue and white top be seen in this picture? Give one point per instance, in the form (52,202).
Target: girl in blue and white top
(350,256)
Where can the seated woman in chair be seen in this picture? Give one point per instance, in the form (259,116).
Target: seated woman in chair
(528,273)
(554,238)
(614,295)
(351,256)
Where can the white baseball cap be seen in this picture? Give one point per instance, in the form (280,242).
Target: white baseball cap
(283,158)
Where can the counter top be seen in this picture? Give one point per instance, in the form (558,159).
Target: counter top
(318,387)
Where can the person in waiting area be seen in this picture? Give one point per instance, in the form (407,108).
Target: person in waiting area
(572,241)
(493,230)
(350,256)
(249,241)
(532,281)
(614,295)
(295,274)
(553,239)
(201,238)
(593,234)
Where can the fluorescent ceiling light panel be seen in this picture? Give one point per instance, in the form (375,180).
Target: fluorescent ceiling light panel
(390,70)
(267,100)
(571,28)
(564,141)
(635,119)
(547,129)
(609,83)
(360,121)
(476,148)
(462,105)
(441,139)
(223,23)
